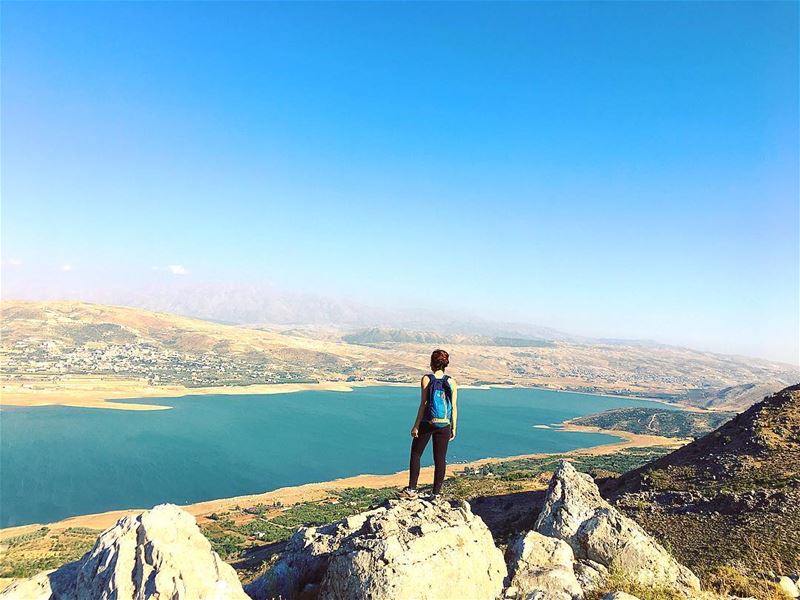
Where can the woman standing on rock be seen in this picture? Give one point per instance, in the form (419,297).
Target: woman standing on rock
(437,418)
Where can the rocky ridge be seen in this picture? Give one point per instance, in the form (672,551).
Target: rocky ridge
(159,553)
(403,549)
(730,498)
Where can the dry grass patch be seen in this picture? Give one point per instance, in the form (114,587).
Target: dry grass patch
(728,581)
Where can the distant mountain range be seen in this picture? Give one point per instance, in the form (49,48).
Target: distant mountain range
(266,306)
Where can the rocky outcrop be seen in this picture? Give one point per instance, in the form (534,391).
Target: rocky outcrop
(305,561)
(590,575)
(159,553)
(405,549)
(542,566)
(58,584)
(575,512)
(736,490)
(571,500)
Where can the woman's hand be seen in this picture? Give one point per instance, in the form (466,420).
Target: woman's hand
(452,434)
(415,431)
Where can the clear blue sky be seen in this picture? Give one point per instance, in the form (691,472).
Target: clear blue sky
(617,169)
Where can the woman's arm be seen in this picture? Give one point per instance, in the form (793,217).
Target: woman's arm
(423,385)
(454,387)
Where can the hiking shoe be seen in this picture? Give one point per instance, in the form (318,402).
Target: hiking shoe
(435,498)
(408,493)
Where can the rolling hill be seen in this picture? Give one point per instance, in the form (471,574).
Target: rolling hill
(45,342)
(729,498)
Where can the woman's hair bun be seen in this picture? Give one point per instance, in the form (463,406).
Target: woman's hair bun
(439,360)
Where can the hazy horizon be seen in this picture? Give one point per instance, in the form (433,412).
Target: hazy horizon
(265,305)
(616,170)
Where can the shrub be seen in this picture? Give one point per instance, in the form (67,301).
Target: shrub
(728,581)
(619,582)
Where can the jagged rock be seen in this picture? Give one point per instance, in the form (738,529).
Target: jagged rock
(575,512)
(619,596)
(542,565)
(305,559)
(408,549)
(788,586)
(616,541)
(590,574)
(56,584)
(159,553)
(572,498)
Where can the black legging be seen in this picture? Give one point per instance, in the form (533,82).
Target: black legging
(441,437)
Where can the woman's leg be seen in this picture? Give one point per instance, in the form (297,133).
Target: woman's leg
(440,440)
(417,448)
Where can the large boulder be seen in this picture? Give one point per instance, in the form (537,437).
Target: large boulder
(405,549)
(575,512)
(159,553)
(590,575)
(571,499)
(305,560)
(57,584)
(541,566)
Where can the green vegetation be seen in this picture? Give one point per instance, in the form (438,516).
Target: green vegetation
(81,531)
(232,532)
(225,543)
(532,468)
(229,537)
(41,550)
(27,537)
(657,421)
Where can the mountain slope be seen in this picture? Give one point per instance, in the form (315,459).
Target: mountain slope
(730,497)
(91,339)
(656,421)
(45,341)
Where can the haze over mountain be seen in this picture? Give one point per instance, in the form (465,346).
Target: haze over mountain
(263,305)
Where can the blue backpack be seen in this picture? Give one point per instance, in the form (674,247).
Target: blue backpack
(440,398)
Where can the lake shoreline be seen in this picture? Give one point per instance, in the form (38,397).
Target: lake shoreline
(91,392)
(320,490)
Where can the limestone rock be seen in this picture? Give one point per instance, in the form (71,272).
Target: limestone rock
(572,498)
(406,549)
(56,584)
(542,565)
(306,557)
(620,544)
(788,586)
(159,553)
(590,574)
(575,512)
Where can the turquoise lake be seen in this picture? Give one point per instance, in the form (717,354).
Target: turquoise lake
(61,461)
